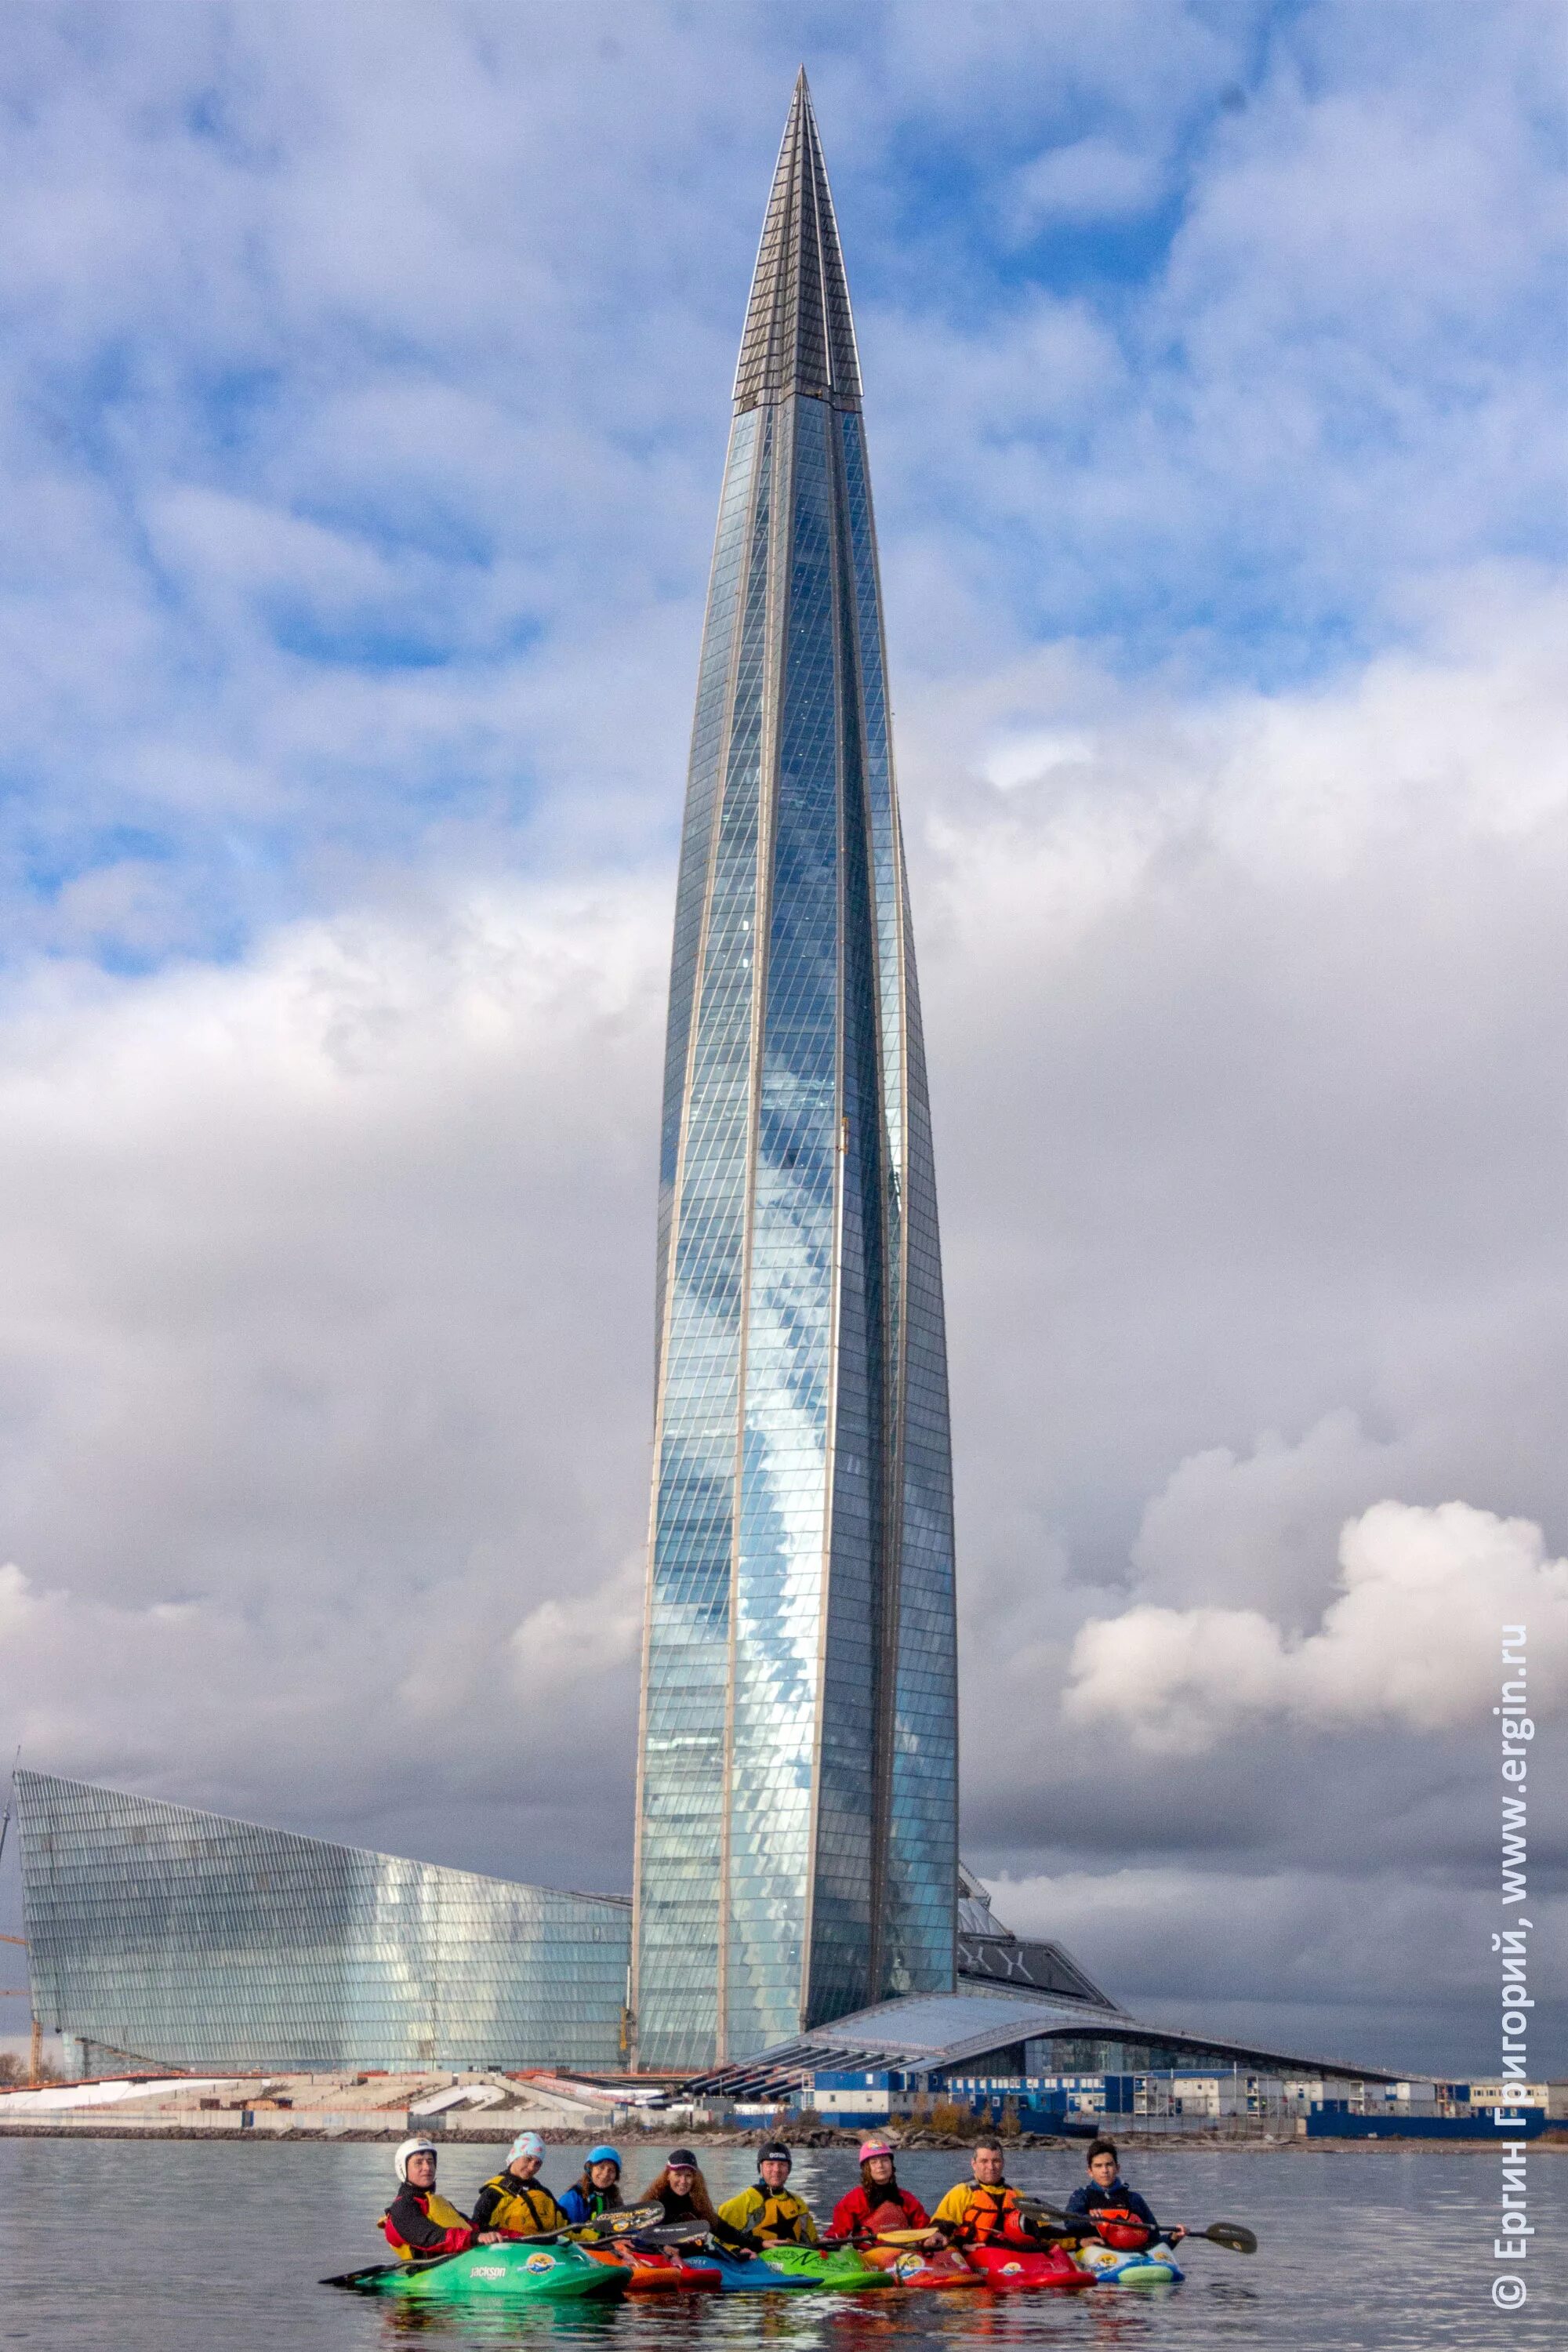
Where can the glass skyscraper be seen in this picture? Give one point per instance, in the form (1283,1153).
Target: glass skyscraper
(797,1784)
(196,1941)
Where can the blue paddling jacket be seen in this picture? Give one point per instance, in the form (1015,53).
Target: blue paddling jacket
(1092,2199)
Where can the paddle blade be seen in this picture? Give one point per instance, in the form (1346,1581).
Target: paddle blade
(1234,2234)
(382,2269)
(902,2237)
(673,2233)
(1053,2217)
(621,2221)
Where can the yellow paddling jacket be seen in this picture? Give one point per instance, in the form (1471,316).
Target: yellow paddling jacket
(775,2217)
(518,2209)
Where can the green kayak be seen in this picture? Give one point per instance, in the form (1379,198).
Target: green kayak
(510,2272)
(837,2268)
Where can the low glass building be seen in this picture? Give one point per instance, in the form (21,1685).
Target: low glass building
(158,1932)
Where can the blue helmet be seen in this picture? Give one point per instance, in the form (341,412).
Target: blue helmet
(605,2154)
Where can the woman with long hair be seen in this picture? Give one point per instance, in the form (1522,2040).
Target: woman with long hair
(683,2193)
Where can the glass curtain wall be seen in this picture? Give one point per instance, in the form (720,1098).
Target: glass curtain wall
(181,1936)
(796,1803)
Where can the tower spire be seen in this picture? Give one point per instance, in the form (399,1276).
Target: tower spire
(799,336)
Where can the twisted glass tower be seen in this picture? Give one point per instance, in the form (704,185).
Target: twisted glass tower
(797,1781)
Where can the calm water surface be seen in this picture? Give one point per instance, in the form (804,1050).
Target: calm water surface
(132,2248)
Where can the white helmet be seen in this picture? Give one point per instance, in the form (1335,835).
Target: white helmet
(412,2147)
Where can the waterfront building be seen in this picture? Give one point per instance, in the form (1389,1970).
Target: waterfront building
(797,1783)
(159,1933)
(1048,2058)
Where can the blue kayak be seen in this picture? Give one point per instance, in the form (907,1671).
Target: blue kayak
(756,2277)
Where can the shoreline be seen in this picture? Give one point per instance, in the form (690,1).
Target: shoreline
(271,2134)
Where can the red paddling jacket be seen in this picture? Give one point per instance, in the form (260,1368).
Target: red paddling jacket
(866,2210)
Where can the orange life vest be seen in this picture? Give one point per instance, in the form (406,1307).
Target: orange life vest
(986,2212)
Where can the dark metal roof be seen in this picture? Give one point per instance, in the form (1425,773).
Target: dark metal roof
(930,2031)
(799,336)
(1022,1964)
(990,1954)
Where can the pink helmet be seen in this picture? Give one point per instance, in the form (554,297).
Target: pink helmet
(875,2148)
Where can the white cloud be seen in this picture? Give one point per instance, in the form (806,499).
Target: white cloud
(1252,1528)
(1091,179)
(1414,1639)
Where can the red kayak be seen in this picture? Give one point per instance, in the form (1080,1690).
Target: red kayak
(1028,2268)
(659,2270)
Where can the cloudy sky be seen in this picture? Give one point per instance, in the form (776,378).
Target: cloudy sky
(364,388)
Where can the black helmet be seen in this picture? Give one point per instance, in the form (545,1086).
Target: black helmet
(777,2152)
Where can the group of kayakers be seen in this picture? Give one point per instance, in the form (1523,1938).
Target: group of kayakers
(986,2210)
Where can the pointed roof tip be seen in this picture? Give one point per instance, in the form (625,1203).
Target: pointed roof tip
(799,335)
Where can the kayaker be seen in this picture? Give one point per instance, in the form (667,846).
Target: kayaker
(879,2203)
(985,2209)
(1107,2196)
(516,2203)
(683,2193)
(597,2190)
(419,2224)
(769,2212)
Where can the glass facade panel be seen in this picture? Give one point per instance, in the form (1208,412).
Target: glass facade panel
(183,1937)
(797,1784)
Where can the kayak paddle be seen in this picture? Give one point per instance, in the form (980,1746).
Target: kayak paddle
(382,2269)
(1234,2235)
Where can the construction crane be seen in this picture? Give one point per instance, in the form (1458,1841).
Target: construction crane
(25,1992)
(20,1992)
